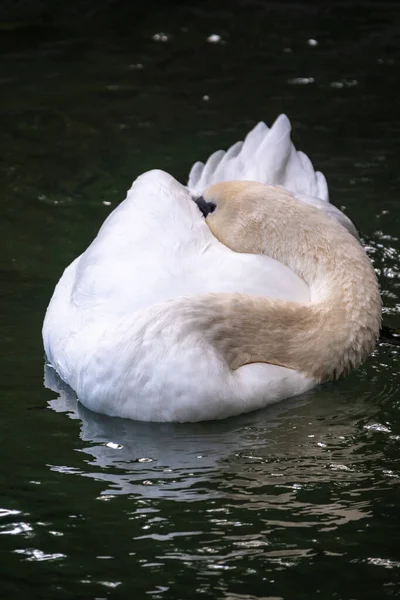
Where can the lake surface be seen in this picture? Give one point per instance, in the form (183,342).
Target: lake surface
(299,501)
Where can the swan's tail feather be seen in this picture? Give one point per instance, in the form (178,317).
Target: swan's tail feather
(266,155)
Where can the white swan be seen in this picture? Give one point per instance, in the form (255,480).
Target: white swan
(158,320)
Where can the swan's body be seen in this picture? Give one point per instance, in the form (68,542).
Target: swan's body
(148,324)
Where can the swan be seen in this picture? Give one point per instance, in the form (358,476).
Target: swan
(200,302)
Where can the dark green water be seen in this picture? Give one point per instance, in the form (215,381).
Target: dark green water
(300,501)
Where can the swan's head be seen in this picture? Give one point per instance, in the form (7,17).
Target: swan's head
(237,212)
(249,216)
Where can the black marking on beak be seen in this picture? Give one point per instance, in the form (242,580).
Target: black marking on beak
(205,207)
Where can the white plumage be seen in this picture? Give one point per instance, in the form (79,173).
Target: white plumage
(266,155)
(115,329)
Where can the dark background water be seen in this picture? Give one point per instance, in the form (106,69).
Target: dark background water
(299,501)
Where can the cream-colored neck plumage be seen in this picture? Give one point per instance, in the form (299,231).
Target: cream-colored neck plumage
(323,339)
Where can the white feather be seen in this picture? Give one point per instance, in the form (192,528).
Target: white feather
(266,155)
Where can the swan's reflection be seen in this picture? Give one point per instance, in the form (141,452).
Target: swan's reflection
(278,455)
(162,459)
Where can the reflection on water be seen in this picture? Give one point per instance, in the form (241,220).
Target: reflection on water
(278,490)
(289,445)
(296,502)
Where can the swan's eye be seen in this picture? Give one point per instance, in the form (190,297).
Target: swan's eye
(205,207)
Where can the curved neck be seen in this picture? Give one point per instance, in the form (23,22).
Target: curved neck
(336,331)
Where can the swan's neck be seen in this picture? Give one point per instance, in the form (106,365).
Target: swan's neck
(336,331)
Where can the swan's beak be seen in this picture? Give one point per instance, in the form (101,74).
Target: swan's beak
(205,207)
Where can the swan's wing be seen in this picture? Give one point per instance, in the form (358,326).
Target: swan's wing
(266,155)
(269,156)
